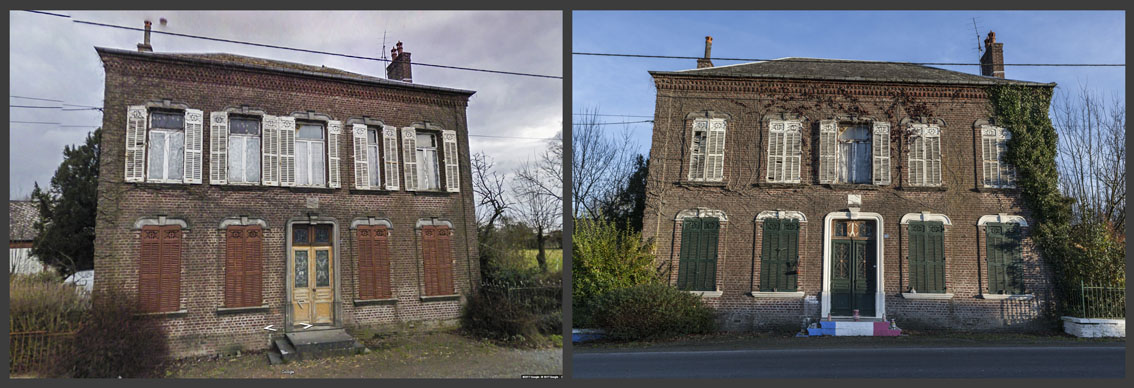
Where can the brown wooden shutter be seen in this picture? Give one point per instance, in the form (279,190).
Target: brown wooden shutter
(253,265)
(170,268)
(429,257)
(149,270)
(444,257)
(234,266)
(366,270)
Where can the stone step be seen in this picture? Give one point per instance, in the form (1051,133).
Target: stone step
(286,351)
(274,358)
(323,343)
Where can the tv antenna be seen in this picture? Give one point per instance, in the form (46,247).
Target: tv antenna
(384,44)
(979,49)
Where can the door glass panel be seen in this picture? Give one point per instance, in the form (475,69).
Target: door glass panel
(300,235)
(301,269)
(842,261)
(322,234)
(322,269)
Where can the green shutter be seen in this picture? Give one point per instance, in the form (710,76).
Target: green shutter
(697,266)
(927,256)
(780,255)
(1004,261)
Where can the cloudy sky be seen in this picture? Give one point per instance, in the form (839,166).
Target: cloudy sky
(54,58)
(622,86)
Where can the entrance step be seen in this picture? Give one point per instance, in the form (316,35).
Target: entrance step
(284,348)
(853,328)
(314,344)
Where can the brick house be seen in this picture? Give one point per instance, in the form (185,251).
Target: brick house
(811,188)
(239,192)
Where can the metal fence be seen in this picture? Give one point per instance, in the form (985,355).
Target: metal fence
(1099,302)
(31,351)
(539,296)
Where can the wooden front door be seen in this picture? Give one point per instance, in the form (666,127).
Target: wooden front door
(853,268)
(312,279)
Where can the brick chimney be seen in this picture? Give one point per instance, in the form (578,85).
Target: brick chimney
(992,62)
(705,62)
(145,47)
(399,67)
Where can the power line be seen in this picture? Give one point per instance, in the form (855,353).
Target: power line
(51,123)
(844,61)
(297,49)
(592,114)
(515,137)
(624,122)
(53,107)
(53,100)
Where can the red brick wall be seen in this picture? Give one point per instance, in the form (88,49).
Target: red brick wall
(133,81)
(745,193)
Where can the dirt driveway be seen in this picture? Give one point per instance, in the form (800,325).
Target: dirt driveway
(409,355)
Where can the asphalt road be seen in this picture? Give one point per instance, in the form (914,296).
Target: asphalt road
(1095,361)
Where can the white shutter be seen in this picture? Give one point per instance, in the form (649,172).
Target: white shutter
(136,143)
(334,132)
(194,128)
(361,158)
(287,151)
(775,151)
(409,157)
(715,149)
(933,155)
(881,152)
(452,162)
(827,160)
(390,155)
(270,150)
(218,148)
(697,150)
(794,156)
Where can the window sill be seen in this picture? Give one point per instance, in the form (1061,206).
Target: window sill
(371,191)
(996,189)
(375,302)
(927,295)
(241,310)
(440,298)
(779,185)
(707,294)
(165,314)
(776,294)
(700,184)
(1007,296)
(923,188)
(166,185)
(310,188)
(852,186)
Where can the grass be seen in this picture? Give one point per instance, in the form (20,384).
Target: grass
(554,259)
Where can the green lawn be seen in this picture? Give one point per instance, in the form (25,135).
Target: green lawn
(554,258)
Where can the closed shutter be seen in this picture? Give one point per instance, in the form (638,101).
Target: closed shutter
(444,254)
(452,162)
(780,255)
(1004,262)
(149,270)
(927,256)
(170,268)
(218,148)
(234,267)
(409,157)
(917,157)
(390,155)
(697,268)
(794,157)
(334,131)
(933,156)
(136,143)
(253,265)
(374,263)
(429,258)
(881,146)
(697,150)
(715,151)
(270,162)
(776,160)
(287,151)
(382,284)
(194,132)
(361,158)
(827,160)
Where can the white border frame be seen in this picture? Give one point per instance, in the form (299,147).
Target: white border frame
(880,285)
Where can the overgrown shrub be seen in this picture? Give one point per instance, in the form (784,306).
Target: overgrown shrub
(116,341)
(606,258)
(515,306)
(649,311)
(41,302)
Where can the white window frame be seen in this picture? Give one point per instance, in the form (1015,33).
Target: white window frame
(994,143)
(165,157)
(711,150)
(374,164)
(422,167)
(925,151)
(322,144)
(784,137)
(244,140)
(842,165)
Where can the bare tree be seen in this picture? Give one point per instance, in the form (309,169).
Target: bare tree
(489,187)
(1092,156)
(600,165)
(536,206)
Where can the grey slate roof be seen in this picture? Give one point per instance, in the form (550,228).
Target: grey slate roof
(279,66)
(21,220)
(847,70)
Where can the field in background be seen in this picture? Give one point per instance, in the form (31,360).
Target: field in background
(554,259)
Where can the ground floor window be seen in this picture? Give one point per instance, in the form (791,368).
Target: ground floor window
(159,269)
(697,264)
(243,266)
(1005,262)
(437,255)
(927,256)
(779,257)
(373,262)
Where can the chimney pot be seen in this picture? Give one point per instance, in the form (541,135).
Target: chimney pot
(992,62)
(399,67)
(145,46)
(706,62)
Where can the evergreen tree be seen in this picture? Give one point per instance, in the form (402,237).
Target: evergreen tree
(625,209)
(66,224)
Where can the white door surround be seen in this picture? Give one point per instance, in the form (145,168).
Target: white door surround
(879,289)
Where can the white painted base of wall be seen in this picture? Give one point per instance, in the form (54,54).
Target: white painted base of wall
(1094,328)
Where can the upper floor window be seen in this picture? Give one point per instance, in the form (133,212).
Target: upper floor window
(997,171)
(424,152)
(925,155)
(310,165)
(163,145)
(429,176)
(706,153)
(244,149)
(784,151)
(375,153)
(854,152)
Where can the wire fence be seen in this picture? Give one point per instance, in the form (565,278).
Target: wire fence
(1099,302)
(33,351)
(539,296)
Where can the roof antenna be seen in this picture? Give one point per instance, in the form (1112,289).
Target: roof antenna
(384,44)
(979,49)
